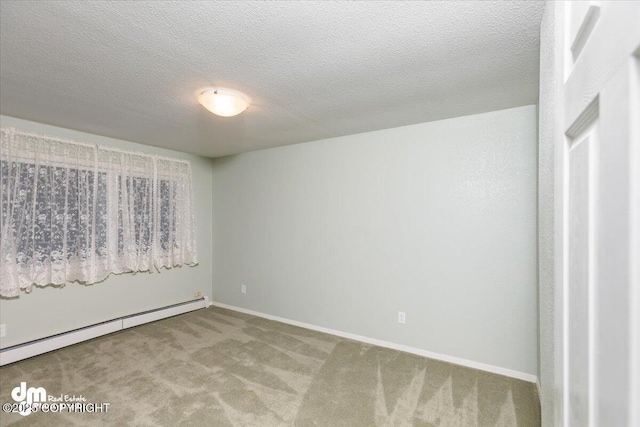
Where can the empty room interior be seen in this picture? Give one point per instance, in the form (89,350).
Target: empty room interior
(320,213)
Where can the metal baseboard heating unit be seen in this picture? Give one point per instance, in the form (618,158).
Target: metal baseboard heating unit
(45,345)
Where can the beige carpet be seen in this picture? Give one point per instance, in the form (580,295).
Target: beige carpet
(217,367)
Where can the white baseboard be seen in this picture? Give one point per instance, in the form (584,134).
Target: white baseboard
(443,357)
(152,316)
(45,345)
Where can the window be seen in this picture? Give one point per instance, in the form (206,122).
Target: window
(79,212)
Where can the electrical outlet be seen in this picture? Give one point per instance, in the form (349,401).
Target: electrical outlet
(3,330)
(402,317)
(197,294)
(243,289)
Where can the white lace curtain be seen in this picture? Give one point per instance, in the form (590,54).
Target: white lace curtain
(79,212)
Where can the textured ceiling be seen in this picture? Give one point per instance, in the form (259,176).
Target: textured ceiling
(312,70)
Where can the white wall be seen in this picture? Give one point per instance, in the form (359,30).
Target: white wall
(47,311)
(436,219)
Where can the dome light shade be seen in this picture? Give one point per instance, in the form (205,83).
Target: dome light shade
(223,102)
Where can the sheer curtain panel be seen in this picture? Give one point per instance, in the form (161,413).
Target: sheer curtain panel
(79,212)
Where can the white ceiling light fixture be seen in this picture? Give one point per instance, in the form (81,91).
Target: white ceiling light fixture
(223,102)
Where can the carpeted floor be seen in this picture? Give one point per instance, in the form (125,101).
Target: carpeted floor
(216,367)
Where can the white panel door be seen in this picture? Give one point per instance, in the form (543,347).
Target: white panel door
(597,214)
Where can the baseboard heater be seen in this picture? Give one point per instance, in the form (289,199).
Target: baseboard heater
(45,345)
